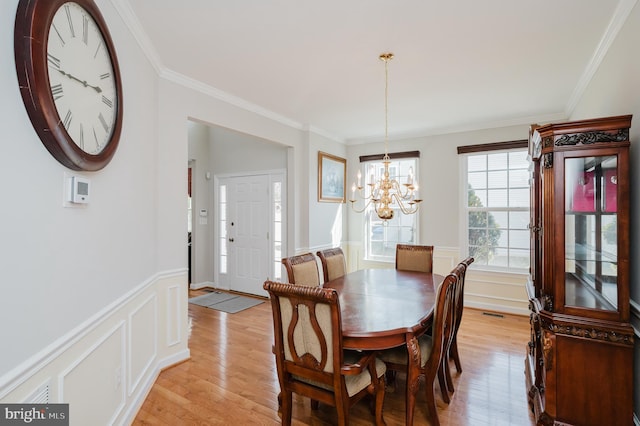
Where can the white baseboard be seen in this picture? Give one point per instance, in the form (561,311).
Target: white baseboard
(205,284)
(496,308)
(137,400)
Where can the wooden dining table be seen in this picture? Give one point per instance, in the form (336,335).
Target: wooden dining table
(383,308)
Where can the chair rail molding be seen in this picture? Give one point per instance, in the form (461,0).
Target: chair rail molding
(127,343)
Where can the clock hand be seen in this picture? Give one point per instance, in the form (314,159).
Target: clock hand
(83,82)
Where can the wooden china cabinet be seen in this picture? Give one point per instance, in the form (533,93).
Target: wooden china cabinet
(579,364)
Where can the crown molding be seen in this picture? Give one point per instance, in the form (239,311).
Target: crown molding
(618,20)
(468,127)
(228,98)
(133,24)
(620,15)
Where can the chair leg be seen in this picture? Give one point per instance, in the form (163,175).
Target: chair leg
(412,390)
(342,410)
(391,376)
(413,379)
(380,402)
(431,400)
(286,406)
(447,375)
(442,380)
(453,351)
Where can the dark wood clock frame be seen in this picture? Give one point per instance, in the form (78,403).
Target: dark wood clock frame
(33,20)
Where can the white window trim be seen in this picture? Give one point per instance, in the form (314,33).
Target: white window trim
(464,225)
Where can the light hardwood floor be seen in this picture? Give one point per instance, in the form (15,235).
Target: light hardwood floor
(231,377)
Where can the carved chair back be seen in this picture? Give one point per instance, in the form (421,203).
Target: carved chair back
(414,258)
(333,263)
(309,355)
(302,269)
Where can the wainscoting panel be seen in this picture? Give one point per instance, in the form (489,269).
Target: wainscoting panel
(494,291)
(174,318)
(105,367)
(143,341)
(93,384)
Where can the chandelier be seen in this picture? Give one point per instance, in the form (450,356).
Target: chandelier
(386,192)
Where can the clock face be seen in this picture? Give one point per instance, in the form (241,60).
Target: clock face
(81,78)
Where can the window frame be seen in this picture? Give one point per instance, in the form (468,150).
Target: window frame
(488,149)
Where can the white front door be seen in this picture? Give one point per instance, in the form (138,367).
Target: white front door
(245,237)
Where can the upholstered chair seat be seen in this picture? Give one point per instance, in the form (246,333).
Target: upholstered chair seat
(354,383)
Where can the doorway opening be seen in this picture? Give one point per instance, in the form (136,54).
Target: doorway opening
(250,231)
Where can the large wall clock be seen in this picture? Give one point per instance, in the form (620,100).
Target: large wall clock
(69,80)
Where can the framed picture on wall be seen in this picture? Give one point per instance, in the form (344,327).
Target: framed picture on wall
(332,172)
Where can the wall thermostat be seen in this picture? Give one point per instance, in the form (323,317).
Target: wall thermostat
(80,190)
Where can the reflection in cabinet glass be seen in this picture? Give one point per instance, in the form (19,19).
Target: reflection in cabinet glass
(591,232)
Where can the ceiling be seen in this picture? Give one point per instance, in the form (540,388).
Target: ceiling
(460,65)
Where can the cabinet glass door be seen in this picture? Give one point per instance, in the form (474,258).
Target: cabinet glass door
(591,242)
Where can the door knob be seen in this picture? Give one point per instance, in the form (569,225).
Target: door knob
(231,239)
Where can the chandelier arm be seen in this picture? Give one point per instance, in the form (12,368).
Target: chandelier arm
(403,207)
(353,206)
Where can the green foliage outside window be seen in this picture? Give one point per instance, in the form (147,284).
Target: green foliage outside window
(484,232)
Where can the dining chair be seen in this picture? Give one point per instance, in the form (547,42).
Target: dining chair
(333,263)
(302,269)
(411,257)
(452,353)
(426,350)
(310,359)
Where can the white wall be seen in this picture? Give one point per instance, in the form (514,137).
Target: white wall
(83,287)
(235,153)
(327,220)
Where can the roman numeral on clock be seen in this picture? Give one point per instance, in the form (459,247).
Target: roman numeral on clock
(81,136)
(56,91)
(85,29)
(58,33)
(108,102)
(68,12)
(67,120)
(53,61)
(103,122)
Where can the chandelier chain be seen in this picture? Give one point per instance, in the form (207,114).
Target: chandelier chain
(386,57)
